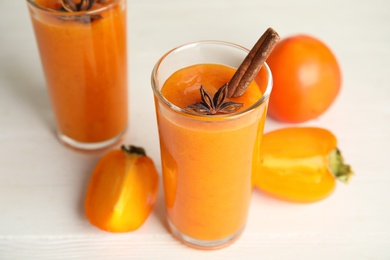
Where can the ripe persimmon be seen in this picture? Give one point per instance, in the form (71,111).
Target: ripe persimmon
(300,164)
(307,79)
(122,190)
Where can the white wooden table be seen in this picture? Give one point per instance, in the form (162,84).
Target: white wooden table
(42,183)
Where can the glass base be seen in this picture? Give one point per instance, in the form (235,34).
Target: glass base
(203,244)
(89,146)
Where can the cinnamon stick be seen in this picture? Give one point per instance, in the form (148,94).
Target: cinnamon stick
(252,63)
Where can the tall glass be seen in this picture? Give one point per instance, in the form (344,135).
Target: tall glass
(207,160)
(84,60)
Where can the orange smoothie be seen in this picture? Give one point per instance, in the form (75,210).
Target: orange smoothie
(85,66)
(207,161)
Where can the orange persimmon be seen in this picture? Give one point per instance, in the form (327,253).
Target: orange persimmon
(300,164)
(122,190)
(306,76)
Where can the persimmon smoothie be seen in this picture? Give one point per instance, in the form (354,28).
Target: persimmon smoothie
(83,54)
(207,160)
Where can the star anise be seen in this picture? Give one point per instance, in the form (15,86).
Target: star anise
(70,6)
(83,5)
(214,105)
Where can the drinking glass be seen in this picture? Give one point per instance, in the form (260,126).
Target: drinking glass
(84,60)
(208,160)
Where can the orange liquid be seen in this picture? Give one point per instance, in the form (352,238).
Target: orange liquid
(85,70)
(207,163)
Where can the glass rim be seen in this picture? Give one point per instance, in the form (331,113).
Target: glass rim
(177,109)
(78,13)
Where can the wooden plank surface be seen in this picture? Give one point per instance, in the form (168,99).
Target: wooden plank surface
(42,183)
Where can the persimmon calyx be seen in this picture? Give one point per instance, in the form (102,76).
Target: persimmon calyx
(133,150)
(343,172)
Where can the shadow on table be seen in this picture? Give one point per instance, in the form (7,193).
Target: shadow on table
(28,88)
(159,208)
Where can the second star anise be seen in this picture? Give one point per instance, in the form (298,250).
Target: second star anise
(83,5)
(70,6)
(214,105)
